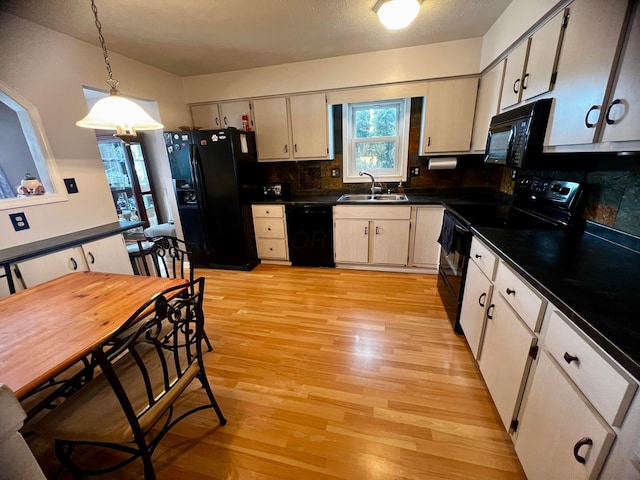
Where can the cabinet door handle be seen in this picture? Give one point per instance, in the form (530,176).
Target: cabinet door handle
(428,141)
(515,85)
(268,229)
(377,230)
(217,121)
(524,81)
(92,259)
(224,119)
(74,264)
(586,117)
(483,294)
(617,101)
(295,147)
(267,212)
(490,315)
(576,448)
(366,230)
(286,149)
(569,358)
(510,292)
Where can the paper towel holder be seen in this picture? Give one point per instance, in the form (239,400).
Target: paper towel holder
(442,163)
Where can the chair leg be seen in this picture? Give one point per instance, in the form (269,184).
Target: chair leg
(212,399)
(206,340)
(64,457)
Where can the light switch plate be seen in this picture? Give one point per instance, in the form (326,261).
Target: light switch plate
(72,186)
(19,221)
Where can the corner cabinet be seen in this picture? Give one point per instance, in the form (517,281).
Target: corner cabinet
(487,106)
(447,116)
(371,235)
(293,128)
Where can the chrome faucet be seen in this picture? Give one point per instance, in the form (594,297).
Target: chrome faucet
(374,189)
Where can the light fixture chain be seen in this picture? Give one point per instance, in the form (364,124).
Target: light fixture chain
(102,42)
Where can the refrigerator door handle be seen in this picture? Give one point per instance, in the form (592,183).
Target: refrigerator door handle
(201,192)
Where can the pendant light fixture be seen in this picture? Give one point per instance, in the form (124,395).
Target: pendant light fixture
(116,112)
(397,14)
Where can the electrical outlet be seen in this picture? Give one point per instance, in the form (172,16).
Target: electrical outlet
(72,186)
(415,171)
(19,221)
(335,172)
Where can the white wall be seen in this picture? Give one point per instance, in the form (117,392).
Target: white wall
(49,69)
(516,20)
(460,57)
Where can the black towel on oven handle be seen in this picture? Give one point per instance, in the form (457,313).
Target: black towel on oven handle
(446,232)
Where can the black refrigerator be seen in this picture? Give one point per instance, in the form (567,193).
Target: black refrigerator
(216,177)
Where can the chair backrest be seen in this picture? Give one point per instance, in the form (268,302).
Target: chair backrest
(173,255)
(155,354)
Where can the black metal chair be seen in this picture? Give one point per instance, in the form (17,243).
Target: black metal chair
(146,365)
(171,255)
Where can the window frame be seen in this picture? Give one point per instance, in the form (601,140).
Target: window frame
(33,131)
(350,172)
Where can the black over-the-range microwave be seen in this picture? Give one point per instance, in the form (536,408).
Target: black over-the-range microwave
(516,136)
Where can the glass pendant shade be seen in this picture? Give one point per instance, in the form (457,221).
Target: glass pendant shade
(397,14)
(118,113)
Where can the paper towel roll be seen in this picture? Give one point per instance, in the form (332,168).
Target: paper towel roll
(443,163)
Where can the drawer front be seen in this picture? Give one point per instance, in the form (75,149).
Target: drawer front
(521,296)
(484,258)
(268,227)
(608,387)
(373,212)
(272,248)
(268,210)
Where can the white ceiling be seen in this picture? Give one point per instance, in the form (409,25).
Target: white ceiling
(193,37)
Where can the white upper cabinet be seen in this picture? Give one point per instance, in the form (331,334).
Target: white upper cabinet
(309,126)
(272,128)
(447,116)
(231,114)
(531,66)
(513,76)
(293,128)
(206,116)
(622,115)
(487,105)
(586,60)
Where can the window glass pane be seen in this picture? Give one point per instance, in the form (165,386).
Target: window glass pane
(375,155)
(376,121)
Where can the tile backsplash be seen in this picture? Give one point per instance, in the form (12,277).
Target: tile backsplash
(612,181)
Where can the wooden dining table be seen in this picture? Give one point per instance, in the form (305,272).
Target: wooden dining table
(47,328)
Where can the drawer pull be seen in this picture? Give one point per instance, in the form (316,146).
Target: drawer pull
(271,249)
(74,264)
(490,315)
(478,256)
(510,292)
(267,212)
(483,294)
(576,447)
(569,358)
(92,259)
(269,229)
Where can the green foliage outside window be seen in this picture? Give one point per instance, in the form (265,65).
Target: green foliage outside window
(378,124)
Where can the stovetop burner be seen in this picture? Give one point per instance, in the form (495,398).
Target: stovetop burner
(537,203)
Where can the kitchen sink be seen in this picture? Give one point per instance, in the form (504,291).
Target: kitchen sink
(391,197)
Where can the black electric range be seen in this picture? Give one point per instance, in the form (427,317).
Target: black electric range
(537,204)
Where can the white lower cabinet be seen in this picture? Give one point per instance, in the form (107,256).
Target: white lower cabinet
(372,235)
(506,357)
(426,249)
(560,436)
(270,227)
(105,255)
(477,295)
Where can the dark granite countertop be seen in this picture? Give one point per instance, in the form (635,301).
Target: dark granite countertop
(593,281)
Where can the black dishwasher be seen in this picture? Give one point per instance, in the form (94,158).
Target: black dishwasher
(310,234)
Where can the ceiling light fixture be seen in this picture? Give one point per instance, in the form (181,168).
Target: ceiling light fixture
(397,14)
(116,112)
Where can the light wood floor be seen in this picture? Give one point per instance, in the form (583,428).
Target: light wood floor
(326,373)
